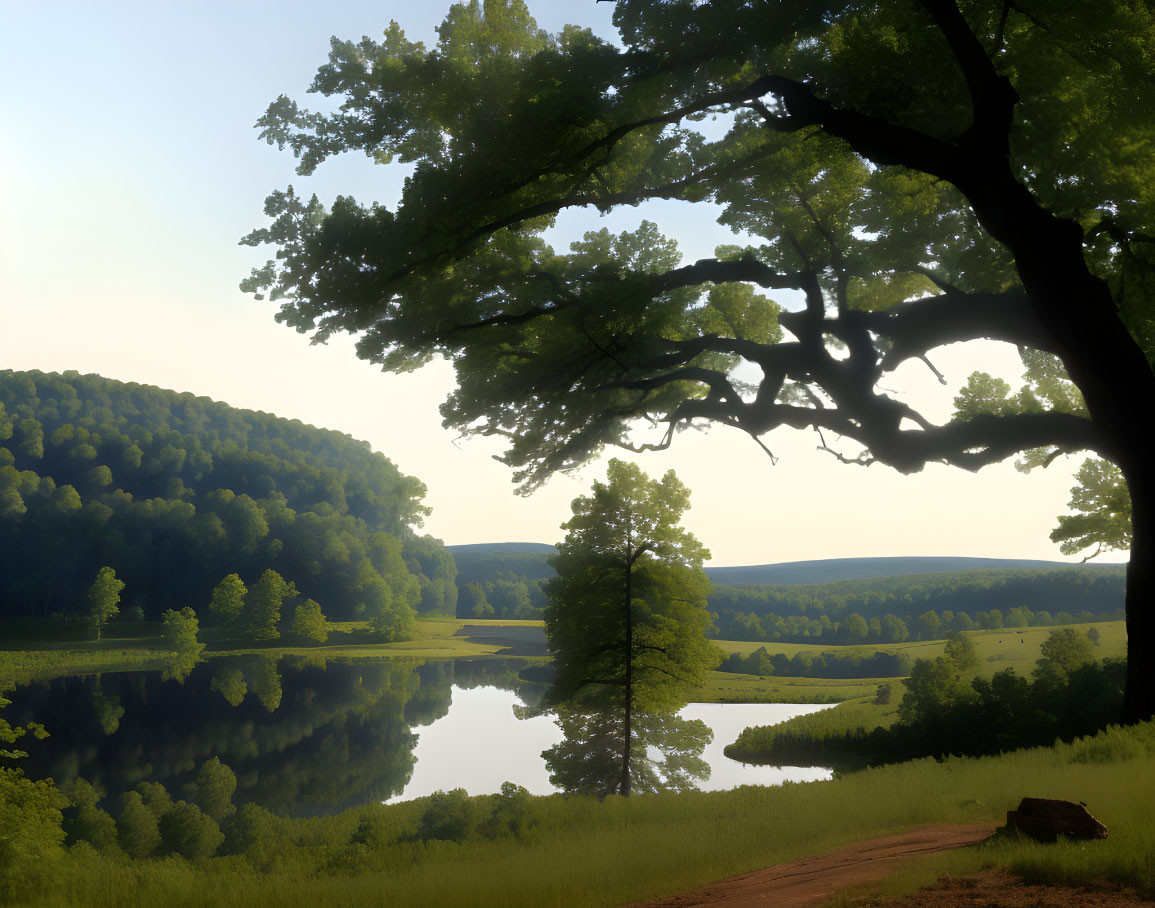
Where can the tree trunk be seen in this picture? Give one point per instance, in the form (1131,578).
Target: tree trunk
(1139,700)
(1115,378)
(629,704)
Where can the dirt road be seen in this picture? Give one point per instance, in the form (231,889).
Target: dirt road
(812,880)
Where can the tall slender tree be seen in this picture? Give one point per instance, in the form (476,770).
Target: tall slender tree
(228,598)
(104,598)
(179,632)
(626,615)
(263,604)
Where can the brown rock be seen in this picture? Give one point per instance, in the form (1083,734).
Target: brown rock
(1044,820)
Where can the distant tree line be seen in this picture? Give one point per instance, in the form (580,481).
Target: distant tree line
(918,607)
(864,611)
(507,595)
(1065,588)
(501,585)
(175,492)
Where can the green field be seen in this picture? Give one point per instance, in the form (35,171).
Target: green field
(730,687)
(1016,648)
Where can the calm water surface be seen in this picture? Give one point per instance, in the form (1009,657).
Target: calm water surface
(307,738)
(502,747)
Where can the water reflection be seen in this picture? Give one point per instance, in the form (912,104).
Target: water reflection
(664,752)
(489,737)
(302,737)
(307,737)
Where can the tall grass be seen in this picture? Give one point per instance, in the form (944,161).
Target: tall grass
(582,852)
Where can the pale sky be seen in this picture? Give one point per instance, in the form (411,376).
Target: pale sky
(131,168)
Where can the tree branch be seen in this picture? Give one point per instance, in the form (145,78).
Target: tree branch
(993,98)
(918,326)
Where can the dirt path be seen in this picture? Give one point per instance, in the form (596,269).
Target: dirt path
(814,879)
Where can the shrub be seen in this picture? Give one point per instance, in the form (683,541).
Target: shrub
(448,816)
(190,832)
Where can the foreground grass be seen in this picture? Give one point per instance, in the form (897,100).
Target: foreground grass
(582,852)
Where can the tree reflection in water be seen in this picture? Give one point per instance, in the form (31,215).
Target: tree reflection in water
(665,751)
(303,736)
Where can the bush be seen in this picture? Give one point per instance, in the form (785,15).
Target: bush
(31,833)
(137,828)
(213,789)
(90,823)
(449,816)
(512,812)
(190,832)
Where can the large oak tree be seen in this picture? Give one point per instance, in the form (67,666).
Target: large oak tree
(921,172)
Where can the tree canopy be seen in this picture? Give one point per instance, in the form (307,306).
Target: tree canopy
(921,173)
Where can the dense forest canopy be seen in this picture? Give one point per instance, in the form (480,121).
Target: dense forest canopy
(175,492)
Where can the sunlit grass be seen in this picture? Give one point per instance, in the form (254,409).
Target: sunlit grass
(730,687)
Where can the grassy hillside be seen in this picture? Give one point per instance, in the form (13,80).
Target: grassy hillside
(479,550)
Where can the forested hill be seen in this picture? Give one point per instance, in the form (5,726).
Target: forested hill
(829,570)
(176,491)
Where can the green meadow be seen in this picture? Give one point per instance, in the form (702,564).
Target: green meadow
(1016,648)
(730,687)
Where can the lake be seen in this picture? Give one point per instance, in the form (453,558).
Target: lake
(309,737)
(503,747)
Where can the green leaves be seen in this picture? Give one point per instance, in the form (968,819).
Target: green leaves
(228,598)
(1102,515)
(309,622)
